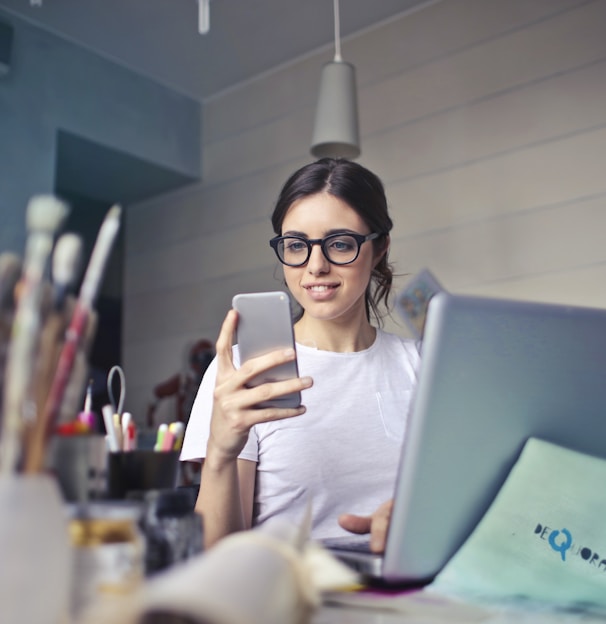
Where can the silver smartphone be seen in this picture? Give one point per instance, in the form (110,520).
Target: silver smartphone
(264,325)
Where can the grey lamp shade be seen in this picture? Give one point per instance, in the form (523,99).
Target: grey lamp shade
(336,126)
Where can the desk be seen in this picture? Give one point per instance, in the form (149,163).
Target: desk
(334,614)
(349,615)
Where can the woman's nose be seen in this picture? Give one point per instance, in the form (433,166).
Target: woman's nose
(317,262)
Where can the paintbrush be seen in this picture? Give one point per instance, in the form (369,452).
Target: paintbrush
(45,215)
(65,269)
(10,272)
(77,328)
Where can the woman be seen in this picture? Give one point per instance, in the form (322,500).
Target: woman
(339,452)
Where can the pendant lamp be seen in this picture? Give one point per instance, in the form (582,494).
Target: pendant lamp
(336,125)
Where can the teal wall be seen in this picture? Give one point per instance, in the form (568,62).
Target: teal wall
(54,85)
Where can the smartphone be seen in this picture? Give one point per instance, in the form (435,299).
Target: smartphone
(264,325)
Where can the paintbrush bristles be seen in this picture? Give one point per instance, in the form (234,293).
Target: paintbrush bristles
(66,258)
(45,213)
(66,262)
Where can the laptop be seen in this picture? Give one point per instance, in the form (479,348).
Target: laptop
(493,373)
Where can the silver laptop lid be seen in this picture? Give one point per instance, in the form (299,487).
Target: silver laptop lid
(493,373)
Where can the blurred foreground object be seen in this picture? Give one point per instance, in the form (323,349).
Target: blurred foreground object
(269,575)
(10,272)
(36,574)
(82,316)
(44,217)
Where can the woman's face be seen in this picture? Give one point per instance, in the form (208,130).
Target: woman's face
(327,291)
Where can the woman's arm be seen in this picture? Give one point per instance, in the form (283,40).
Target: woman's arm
(226,498)
(227,483)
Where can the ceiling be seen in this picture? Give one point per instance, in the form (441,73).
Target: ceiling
(160,38)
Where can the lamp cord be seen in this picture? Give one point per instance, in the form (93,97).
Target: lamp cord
(337,32)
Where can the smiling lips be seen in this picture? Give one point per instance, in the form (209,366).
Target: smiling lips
(319,287)
(320,291)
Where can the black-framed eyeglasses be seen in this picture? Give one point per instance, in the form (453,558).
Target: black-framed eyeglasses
(340,248)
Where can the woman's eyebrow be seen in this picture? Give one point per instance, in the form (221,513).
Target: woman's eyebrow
(340,231)
(294,233)
(327,233)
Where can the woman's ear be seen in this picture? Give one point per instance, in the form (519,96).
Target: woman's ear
(384,249)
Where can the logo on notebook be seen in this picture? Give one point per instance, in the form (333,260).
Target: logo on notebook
(561,541)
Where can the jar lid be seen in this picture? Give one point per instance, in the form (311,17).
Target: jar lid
(176,502)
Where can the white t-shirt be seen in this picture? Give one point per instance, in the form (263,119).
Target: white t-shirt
(343,452)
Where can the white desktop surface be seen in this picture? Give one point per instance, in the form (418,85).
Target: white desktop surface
(349,615)
(346,615)
(337,614)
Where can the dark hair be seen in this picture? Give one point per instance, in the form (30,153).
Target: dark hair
(363,191)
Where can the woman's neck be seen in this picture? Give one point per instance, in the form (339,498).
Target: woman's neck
(336,335)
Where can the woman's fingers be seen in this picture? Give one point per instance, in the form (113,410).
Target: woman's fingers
(377,525)
(255,366)
(245,378)
(241,407)
(224,344)
(355,524)
(380,526)
(274,390)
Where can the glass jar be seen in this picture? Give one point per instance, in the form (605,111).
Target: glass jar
(108,552)
(173,530)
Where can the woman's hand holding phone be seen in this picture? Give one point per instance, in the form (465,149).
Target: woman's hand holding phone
(236,403)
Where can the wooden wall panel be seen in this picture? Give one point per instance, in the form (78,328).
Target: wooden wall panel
(485,119)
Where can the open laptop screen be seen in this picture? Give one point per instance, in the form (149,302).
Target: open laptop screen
(493,373)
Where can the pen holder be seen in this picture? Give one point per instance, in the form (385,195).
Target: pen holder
(35,575)
(140,471)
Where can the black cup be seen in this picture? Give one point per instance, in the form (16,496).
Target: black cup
(141,471)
